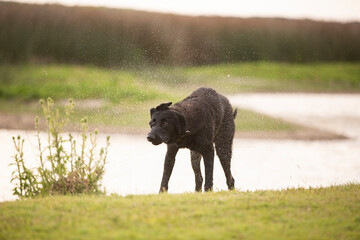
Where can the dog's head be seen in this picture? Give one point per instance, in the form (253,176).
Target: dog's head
(167,125)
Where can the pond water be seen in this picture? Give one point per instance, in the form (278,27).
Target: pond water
(339,113)
(135,166)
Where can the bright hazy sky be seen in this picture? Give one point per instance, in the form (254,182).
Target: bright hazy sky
(334,10)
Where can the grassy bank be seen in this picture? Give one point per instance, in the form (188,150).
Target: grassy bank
(133,86)
(123,97)
(325,213)
(281,77)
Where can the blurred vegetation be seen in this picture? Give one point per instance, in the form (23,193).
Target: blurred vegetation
(31,82)
(123,98)
(63,81)
(250,77)
(113,38)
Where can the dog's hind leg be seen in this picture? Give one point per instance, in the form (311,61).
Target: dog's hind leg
(223,145)
(224,154)
(195,163)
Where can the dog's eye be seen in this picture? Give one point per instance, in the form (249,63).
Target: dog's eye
(164,122)
(152,122)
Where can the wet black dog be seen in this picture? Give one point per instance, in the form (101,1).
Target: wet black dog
(200,120)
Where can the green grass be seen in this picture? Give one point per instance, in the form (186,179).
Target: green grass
(320,213)
(63,81)
(280,77)
(129,94)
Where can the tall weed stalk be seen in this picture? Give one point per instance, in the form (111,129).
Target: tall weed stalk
(62,169)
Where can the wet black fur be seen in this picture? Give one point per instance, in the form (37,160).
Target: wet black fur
(198,122)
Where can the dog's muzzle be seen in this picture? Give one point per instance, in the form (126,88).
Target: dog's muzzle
(156,140)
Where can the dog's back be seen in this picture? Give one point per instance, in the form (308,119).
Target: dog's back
(205,108)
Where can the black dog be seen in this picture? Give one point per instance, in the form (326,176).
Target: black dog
(200,120)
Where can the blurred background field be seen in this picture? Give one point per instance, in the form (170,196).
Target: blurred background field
(117,38)
(117,64)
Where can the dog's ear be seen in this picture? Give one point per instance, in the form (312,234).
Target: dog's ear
(163,106)
(181,126)
(152,111)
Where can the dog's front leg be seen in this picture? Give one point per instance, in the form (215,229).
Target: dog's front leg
(172,150)
(209,169)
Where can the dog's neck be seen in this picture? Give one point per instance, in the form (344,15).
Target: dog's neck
(186,133)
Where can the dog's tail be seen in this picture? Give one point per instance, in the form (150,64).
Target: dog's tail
(235,113)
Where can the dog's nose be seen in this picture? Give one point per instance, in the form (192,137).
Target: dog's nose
(151,137)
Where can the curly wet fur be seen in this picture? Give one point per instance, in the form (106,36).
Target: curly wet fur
(200,121)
